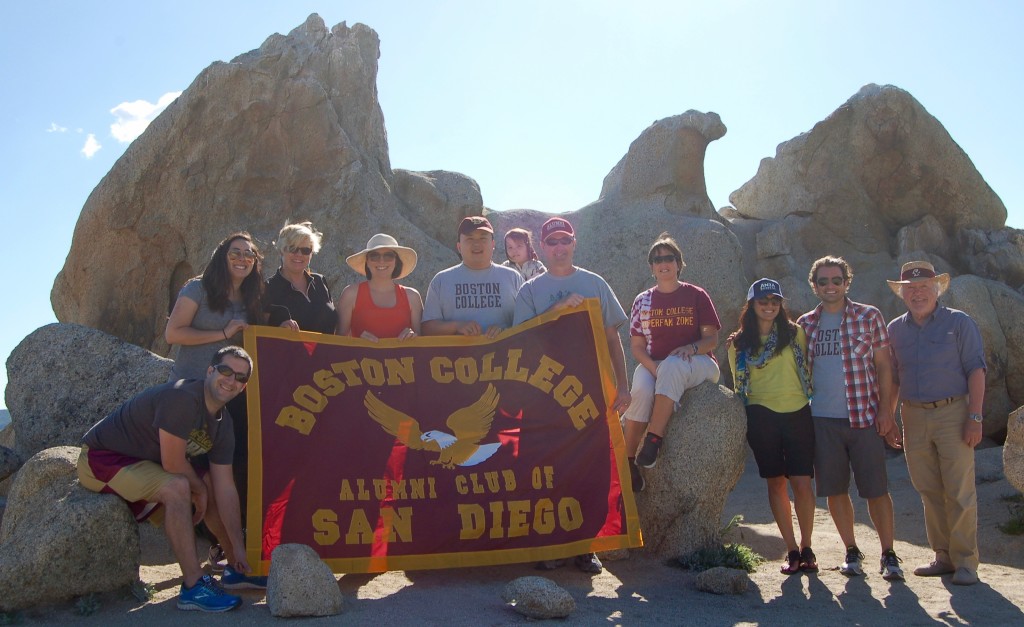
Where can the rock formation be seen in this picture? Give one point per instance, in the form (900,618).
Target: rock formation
(63,378)
(701,460)
(288,132)
(54,532)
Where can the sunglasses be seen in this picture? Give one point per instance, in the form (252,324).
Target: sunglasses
(836,280)
(304,250)
(662,259)
(226,371)
(235,254)
(769,300)
(387,255)
(555,241)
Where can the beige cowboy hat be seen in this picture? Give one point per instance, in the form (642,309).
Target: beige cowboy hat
(914,271)
(383,241)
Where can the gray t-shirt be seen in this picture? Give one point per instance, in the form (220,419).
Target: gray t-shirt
(179,408)
(191,362)
(487,297)
(829,381)
(541,292)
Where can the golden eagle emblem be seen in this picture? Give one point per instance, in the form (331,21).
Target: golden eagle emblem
(461,447)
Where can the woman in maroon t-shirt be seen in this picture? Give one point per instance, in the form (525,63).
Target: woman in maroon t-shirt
(673,333)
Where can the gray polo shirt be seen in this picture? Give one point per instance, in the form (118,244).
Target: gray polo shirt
(933,360)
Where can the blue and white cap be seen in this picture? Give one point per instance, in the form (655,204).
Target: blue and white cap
(764,287)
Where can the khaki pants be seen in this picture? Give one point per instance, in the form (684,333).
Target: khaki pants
(942,470)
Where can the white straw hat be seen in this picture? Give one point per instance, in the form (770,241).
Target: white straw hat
(384,241)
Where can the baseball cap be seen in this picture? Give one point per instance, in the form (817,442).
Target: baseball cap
(473,223)
(764,287)
(554,226)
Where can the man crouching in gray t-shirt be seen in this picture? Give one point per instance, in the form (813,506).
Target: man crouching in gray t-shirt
(146,451)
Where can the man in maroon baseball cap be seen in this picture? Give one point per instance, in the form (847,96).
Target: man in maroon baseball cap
(565,285)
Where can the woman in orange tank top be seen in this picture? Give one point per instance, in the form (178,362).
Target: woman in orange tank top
(379,307)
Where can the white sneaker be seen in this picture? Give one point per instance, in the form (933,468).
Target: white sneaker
(852,566)
(890,569)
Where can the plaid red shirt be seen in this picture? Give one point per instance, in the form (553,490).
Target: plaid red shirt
(863,333)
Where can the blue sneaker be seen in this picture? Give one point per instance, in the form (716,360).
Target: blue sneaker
(234,580)
(207,596)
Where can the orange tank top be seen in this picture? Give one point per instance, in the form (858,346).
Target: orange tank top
(381,321)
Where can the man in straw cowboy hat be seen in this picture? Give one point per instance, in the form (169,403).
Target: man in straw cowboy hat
(476,297)
(940,386)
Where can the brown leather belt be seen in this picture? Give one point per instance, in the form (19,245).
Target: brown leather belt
(934,404)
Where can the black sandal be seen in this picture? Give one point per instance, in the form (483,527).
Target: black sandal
(808,561)
(792,565)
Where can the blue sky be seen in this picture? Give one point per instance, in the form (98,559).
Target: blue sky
(535,99)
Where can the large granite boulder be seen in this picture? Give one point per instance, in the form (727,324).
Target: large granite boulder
(59,540)
(287,132)
(438,200)
(665,164)
(880,160)
(300,584)
(701,460)
(63,378)
(1013,450)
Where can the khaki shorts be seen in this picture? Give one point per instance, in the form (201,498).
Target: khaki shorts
(134,480)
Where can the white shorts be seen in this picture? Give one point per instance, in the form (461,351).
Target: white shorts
(675,376)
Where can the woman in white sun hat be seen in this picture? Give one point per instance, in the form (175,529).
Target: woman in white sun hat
(379,307)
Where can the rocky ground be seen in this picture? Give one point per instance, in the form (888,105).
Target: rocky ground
(640,590)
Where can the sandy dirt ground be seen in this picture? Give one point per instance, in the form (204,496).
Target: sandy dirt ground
(644,591)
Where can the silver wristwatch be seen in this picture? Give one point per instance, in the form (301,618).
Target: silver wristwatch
(976,417)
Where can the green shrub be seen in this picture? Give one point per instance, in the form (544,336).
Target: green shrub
(87,605)
(739,556)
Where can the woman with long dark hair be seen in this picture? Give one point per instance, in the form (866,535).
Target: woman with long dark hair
(211,312)
(213,309)
(770,375)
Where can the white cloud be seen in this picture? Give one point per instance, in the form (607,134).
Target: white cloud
(91,146)
(134,117)
(55,128)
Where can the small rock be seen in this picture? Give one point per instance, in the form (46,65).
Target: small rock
(721,580)
(538,597)
(300,584)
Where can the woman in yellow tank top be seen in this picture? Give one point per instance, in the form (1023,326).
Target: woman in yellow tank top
(767,357)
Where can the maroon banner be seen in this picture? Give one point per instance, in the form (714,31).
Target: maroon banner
(439,451)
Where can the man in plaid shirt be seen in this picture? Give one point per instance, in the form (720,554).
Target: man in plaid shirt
(849,356)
